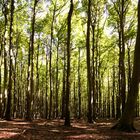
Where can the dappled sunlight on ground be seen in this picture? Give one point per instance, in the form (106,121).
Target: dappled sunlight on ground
(55,130)
(87,137)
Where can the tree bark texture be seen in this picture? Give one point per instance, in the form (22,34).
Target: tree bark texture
(8,107)
(89,88)
(67,113)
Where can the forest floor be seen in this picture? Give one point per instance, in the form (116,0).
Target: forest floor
(55,130)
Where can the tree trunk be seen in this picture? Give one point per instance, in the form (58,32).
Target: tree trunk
(15,77)
(118,102)
(0,79)
(35,100)
(123,80)
(129,68)
(113,93)
(93,71)
(46,95)
(5,12)
(57,82)
(79,86)
(8,108)
(74,99)
(108,97)
(63,104)
(89,89)
(67,113)
(30,91)
(50,66)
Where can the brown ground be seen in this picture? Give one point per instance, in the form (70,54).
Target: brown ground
(54,130)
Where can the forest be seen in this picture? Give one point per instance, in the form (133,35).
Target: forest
(69,69)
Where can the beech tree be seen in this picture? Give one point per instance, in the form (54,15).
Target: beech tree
(30,78)
(8,107)
(89,89)
(67,112)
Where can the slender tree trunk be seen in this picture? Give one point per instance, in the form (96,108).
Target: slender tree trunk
(15,78)
(113,93)
(108,98)
(15,88)
(36,104)
(50,66)
(30,91)
(64,88)
(93,71)
(8,108)
(46,97)
(57,82)
(89,89)
(5,12)
(1,78)
(96,81)
(123,82)
(54,103)
(28,96)
(79,85)
(129,69)
(100,85)
(19,85)
(74,99)
(67,113)
(97,71)
(118,102)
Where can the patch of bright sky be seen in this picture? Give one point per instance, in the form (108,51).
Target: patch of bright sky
(45,8)
(82,14)
(65,9)
(107,30)
(46,4)
(79,4)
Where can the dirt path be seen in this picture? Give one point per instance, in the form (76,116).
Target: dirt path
(54,130)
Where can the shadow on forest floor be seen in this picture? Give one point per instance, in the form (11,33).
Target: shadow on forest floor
(54,130)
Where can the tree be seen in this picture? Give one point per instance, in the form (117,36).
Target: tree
(67,113)
(30,89)
(0,82)
(57,80)
(50,64)
(64,87)
(8,107)
(46,90)
(89,89)
(93,69)
(79,85)
(5,12)
(126,122)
